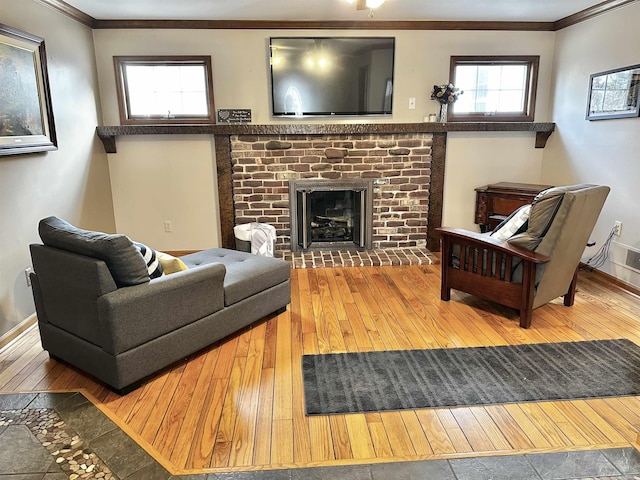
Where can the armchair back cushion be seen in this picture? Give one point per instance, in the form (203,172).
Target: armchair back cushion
(550,211)
(567,237)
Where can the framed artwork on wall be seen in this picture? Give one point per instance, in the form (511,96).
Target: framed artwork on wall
(26,114)
(614,94)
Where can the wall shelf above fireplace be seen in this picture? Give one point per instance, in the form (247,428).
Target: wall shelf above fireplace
(109,134)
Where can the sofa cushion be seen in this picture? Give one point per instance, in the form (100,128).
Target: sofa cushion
(119,253)
(154,267)
(247,274)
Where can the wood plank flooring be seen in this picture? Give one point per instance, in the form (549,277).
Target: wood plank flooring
(239,404)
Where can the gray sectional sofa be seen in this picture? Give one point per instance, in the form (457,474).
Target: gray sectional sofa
(99,310)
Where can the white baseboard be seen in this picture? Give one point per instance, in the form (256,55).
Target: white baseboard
(15,332)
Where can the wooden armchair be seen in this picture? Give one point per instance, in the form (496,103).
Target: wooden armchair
(533,267)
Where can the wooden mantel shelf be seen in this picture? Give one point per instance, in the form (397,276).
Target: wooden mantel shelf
(108,134)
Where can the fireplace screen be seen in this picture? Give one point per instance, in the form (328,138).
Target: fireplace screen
(330,214)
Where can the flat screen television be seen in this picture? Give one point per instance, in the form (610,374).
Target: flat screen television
(322,76)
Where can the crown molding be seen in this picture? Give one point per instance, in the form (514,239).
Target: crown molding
(565,22)
(590,12)
(324,25)
(68,10)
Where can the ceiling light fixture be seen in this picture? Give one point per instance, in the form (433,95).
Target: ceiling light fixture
(373,3)
(366,4)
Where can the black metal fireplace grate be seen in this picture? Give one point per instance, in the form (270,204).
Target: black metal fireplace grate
(330,214)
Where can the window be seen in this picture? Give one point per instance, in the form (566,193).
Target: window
(164,89)
(496,89)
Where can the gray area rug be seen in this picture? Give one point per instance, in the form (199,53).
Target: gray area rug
(413,379)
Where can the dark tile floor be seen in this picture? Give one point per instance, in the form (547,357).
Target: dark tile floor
(59,436)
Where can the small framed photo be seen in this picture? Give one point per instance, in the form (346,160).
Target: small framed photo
(26,115)
(614,94)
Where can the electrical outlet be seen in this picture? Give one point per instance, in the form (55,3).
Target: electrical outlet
(168,227)
(412,103)
(617,228)
(27,275)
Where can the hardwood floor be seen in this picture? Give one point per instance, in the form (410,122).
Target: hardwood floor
(239,405)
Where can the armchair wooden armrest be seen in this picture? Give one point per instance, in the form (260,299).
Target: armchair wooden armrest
(483,266)
(486,241)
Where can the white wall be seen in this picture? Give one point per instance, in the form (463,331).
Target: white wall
(241,63)
(154,180)
(474,161)
(72,182)
(605,151)
(241,80)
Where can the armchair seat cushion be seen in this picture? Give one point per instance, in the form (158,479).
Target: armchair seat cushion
(247,274)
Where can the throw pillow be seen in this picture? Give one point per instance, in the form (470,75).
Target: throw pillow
(150,257)
(513,224)
(122,258)
(170,264)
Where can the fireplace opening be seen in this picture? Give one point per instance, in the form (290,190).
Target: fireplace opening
(331,214)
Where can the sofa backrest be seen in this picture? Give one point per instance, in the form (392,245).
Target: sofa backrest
(67,288)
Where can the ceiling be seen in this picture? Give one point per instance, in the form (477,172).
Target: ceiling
(332,10)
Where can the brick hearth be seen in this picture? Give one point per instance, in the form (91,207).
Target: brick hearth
(264,164)
(354,258)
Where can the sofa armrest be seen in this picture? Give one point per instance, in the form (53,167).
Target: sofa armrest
(131,316)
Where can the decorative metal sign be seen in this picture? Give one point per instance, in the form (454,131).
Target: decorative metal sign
(234,115)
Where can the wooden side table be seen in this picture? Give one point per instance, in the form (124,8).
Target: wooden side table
(497,201)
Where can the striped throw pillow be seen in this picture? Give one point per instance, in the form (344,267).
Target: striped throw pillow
(151,259)
(514,223)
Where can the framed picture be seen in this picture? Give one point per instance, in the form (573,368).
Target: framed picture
(26,116)
(614,94)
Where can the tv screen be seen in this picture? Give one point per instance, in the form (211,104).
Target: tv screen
(322,76)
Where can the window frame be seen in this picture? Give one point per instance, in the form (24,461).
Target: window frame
(527,114)
(167,60)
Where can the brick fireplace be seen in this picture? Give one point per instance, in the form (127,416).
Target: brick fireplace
(248,134)
(398,164)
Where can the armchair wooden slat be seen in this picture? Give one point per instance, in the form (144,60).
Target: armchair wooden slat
(491,286)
